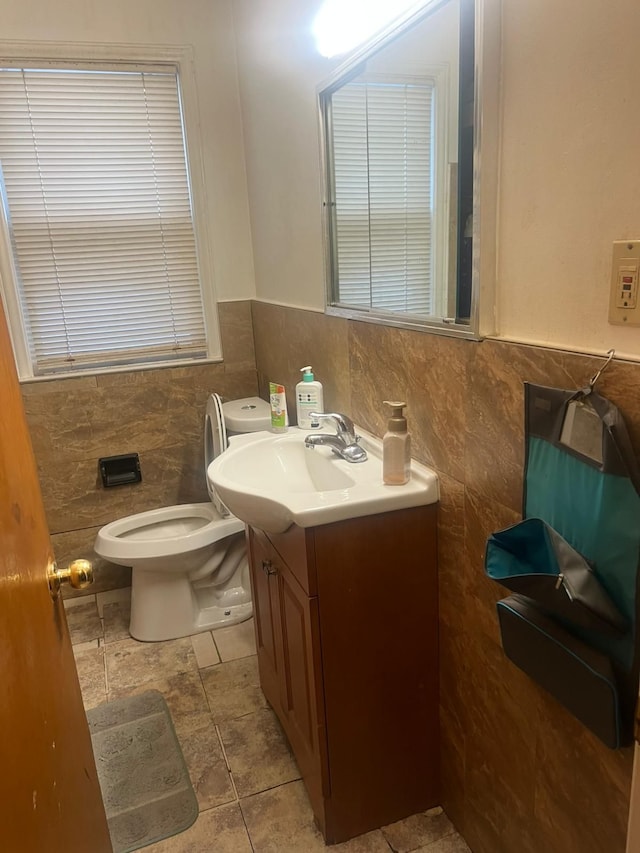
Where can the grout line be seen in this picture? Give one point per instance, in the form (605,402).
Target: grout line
(434,844)
(77,529)
(235,790)
(224,751)
(243,716)
(246,827)
(273,788)
(204,690)
(78,601)
(106,670)
(85,645)
(226,761)
(213,637)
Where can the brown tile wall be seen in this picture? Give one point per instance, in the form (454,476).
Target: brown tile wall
(156,413)
(519,773)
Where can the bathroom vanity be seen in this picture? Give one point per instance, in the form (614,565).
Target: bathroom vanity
(346,621)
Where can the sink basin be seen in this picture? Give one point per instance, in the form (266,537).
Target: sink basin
(272,481)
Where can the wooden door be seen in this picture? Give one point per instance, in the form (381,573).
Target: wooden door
(50,799)
(633,838)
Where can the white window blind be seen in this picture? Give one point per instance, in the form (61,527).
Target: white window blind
(97,198)
(383,140)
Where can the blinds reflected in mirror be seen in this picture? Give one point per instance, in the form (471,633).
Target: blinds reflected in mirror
(383,158)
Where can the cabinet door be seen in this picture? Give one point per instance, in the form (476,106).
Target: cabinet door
(266,596)
(300,646)
(288,640)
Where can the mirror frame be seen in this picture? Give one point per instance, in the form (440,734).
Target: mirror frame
(487,41)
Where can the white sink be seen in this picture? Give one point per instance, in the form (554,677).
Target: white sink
(272,481)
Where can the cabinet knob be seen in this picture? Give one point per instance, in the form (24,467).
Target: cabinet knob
(267,568)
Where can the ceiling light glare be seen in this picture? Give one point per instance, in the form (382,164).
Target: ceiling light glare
(342,25)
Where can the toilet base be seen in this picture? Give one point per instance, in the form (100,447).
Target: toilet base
(166,607)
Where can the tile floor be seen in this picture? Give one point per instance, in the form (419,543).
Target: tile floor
(251,797)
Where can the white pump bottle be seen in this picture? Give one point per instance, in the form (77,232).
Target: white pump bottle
(308,399)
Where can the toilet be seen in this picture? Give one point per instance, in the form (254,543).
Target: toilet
(190,569)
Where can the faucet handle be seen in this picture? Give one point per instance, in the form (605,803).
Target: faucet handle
(344,424)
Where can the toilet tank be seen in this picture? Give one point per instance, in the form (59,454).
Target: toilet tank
(250,414)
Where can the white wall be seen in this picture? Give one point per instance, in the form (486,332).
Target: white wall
(569,177)
(431,42)
(207,26)
(279,69)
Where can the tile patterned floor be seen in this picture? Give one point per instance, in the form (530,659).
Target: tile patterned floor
(248,786)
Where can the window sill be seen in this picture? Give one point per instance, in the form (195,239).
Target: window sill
(415,324)
(128,368)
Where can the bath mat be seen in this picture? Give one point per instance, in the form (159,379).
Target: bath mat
(144,781)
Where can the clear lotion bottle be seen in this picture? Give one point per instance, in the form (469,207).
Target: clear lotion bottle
(396,448)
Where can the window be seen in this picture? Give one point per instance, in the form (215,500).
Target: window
(384,192)
(98,213)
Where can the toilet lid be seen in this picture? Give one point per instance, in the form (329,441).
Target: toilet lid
(215,442)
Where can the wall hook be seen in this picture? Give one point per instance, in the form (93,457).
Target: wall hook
(596,376)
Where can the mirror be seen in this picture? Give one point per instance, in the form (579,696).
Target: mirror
(400,138)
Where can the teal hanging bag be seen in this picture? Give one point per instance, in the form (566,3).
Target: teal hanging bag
(574,560)
(531,558)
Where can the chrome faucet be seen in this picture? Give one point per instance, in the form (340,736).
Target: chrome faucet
(344,443)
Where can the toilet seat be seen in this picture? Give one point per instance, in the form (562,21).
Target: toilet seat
(164,532)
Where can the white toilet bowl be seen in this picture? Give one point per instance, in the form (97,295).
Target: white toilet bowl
(189,564)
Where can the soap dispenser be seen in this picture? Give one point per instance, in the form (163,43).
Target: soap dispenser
(308,399)
(396,448)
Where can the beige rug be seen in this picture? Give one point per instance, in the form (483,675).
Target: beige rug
(145,783)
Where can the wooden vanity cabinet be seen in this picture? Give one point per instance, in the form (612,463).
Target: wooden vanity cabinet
(346,619)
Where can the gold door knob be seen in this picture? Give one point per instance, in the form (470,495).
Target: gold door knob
(79,574)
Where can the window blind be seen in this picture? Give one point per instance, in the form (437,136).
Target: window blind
(383,173)
(97,197)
